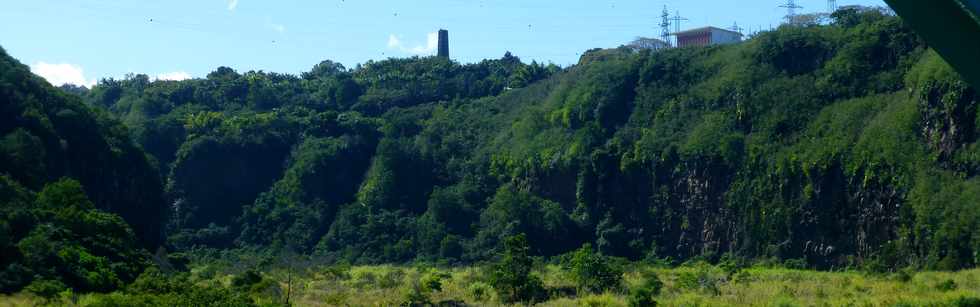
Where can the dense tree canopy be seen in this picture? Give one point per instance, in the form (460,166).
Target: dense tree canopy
(46,134)
(844,144)
(841,144)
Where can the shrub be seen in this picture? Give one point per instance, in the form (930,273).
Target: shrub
(652,281)
(432,281)
(700,279)
(254,284)
(479,291)
(130,300)
(268,289)
(245,280)
(598,301)
(391,279)
(336,298)
(946,285)
(421,288)
(592,271)
(46,289)
(213,296)
(642,295)
(337,272)
(363,279)
(743,276)
(785,301)
(875,266)
(903,304)
(904,275)
(387,279)
(152,281)
(732,264)
(795,264)
(964,301)
(415,296)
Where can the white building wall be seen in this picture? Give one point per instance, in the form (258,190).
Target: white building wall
(721,37)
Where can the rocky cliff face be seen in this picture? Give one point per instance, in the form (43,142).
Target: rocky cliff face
(949,112)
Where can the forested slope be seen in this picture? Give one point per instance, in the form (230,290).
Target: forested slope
(842,144)
(72,183)
(847,144)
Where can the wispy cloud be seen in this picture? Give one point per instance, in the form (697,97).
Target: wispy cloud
(232,4)
(430,46)
(278,27)
(174,76)
(394,42)
(61,74)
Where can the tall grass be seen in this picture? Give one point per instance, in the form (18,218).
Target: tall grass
(694,285)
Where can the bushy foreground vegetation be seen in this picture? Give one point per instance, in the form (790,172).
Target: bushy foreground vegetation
(845,146)
(222,282)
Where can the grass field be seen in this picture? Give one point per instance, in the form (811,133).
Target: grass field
(700,285)
(712,287)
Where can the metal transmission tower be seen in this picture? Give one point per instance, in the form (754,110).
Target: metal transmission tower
(831,6)
(676,20)
(791,8)
(736,28)
(665,27)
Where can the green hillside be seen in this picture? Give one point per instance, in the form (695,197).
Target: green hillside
(840,146)
(79,201)
(843,144)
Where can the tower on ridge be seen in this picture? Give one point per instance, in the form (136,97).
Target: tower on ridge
(443,43)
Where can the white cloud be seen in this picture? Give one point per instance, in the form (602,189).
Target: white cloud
(61,74)
(232,4)
(174,76)
(393,41)
(275,26)
(278,27)
(430,46)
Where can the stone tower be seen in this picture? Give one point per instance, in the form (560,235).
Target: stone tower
(443,43)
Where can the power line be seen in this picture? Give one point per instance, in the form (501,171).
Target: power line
(677,19)
(791,8)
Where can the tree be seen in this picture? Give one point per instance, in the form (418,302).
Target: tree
(543,222)
(63,239)
(529,74)
(323,69)
(854,15)
(511,277)
(592,271)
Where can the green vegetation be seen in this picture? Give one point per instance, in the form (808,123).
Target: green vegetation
(847,147)
(61,240)
(593,272)
(512,277)
(643,294)
(58,233)
(214,285)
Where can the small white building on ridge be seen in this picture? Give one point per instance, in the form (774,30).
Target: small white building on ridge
(707,36)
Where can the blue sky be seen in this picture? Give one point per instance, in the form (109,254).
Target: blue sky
(81,41)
